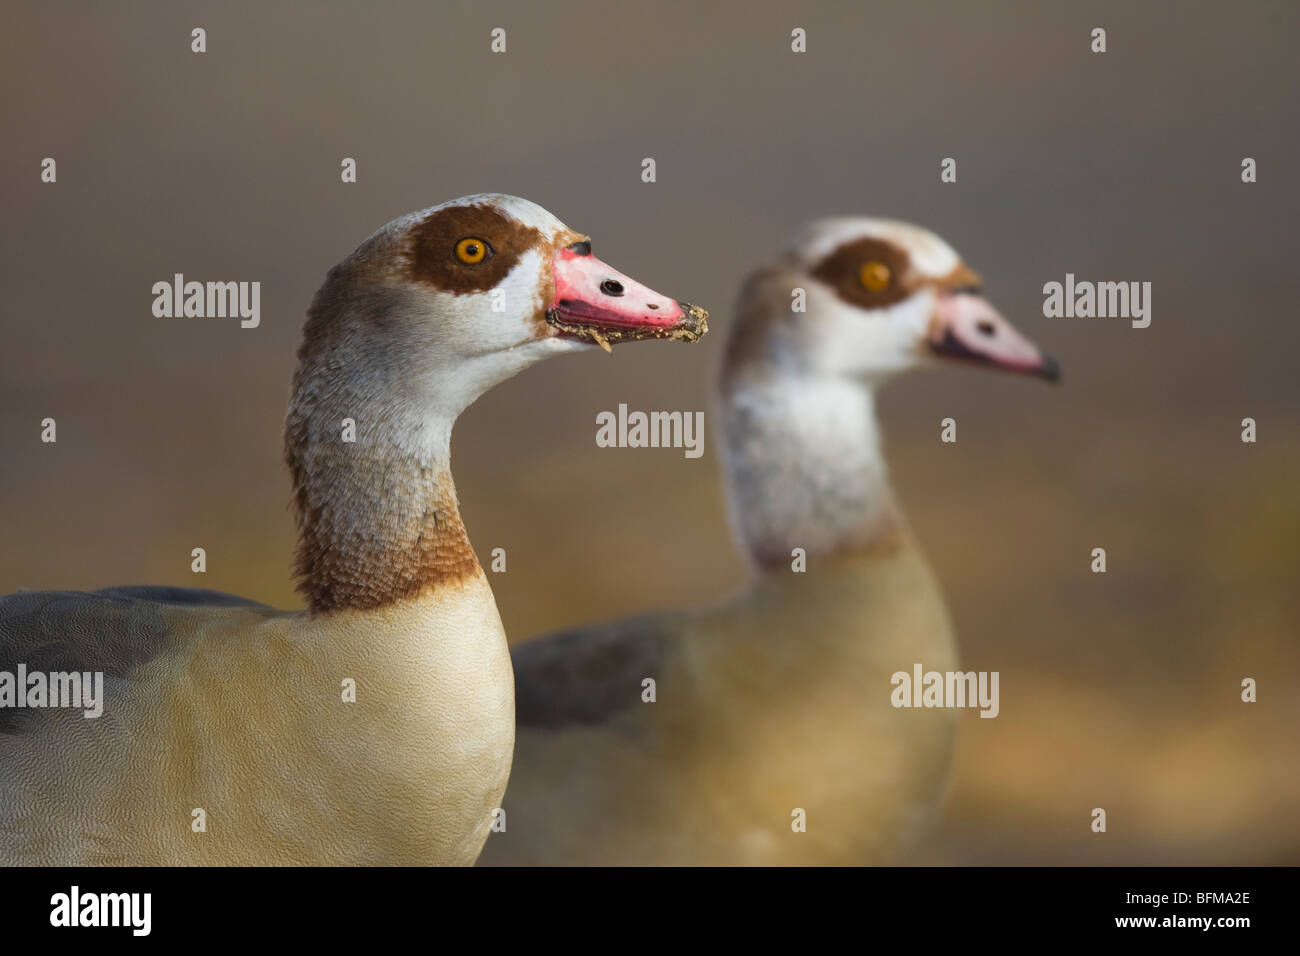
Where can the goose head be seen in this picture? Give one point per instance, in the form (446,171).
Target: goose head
(420,320)
(440,305)
(878,297)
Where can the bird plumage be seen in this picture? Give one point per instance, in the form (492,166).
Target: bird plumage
(771,737)
(376,726)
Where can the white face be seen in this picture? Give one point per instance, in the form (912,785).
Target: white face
(442,304)
(881,297)
(490,305)
(928,254)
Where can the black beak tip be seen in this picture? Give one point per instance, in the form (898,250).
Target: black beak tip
(1050,370)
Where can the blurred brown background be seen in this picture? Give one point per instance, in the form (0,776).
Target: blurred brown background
(1118,690)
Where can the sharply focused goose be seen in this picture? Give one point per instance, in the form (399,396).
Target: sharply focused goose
(773,712)
(228,734)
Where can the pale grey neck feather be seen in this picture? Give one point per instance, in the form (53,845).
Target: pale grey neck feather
(805,467)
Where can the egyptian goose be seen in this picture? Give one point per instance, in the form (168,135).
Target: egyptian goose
(778,701)
(229,734)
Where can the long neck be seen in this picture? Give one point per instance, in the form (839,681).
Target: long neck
(805,467)
(378,519)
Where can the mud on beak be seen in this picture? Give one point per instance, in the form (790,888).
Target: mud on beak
(965,327)
(598,304)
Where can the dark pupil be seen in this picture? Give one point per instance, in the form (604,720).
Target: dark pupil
(471,249)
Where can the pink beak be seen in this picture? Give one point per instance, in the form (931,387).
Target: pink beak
(966,327)
(598,304)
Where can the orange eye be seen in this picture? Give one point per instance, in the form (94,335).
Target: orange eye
(471,250)
(874,276)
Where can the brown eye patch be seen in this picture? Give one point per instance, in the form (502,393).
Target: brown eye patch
(432,251)
(842,270)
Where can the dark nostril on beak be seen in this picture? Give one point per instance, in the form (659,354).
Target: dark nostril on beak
(611,287)
(651,305)
(985,327)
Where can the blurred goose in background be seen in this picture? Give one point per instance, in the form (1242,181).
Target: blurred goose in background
(778,701)
(226,736)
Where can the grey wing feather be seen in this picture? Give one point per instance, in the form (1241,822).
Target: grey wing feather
(114,630)
(165,594)
(586,675)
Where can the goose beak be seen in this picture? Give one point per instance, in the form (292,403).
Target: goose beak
(965,327)
(596,303)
